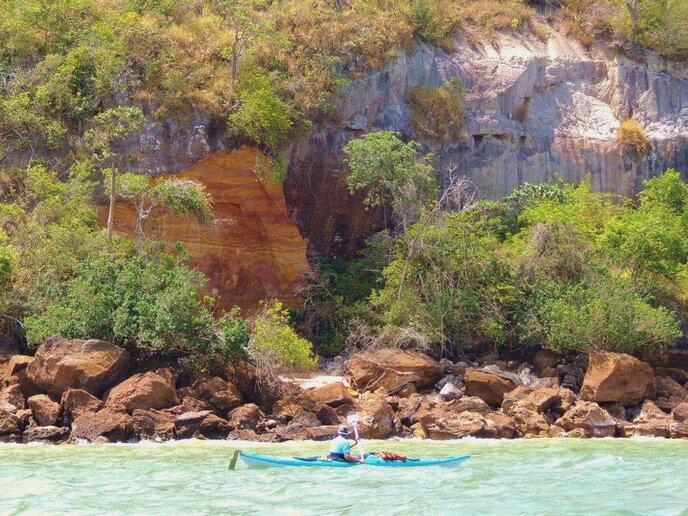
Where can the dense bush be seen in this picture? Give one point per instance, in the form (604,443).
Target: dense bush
(633,136)
(275,346)
(437,114)
(558,266)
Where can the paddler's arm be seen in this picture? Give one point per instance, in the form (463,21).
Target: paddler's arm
(350,458)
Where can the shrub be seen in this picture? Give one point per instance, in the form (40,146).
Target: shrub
(274,345)
(139,302)
(632,135)
(600,316)
(262,116)
(437,114)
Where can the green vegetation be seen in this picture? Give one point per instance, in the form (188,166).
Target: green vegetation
(633,136)
(437,114)
(274,345)
(555,266)
(660,25)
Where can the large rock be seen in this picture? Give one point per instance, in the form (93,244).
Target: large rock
(222,396)
(45,411)
(153,424)
(332,394)
(651,422)
(392,369)
(447,424)
(151,390)
(587,419)
(670,393)
(112,422)
(77,402)
(488,386)
(11,398)
(15,364)
(92,365)
(9,423)
(201,424)
(376,417)
(246,416)
(51,434)
(616,377)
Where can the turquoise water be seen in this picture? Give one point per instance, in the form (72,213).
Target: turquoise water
(503,477)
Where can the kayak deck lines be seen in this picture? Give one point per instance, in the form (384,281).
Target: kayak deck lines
(256,460)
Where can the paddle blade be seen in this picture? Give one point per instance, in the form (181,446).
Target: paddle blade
(352,418)
(235,457)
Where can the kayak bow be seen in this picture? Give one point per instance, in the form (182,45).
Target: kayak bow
(255,460)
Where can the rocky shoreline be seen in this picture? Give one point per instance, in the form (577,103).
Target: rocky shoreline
(84,391)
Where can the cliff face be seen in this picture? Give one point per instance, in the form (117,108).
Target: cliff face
(535,110)
(573,100)
(251,250)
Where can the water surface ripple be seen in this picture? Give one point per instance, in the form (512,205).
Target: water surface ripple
(503,477)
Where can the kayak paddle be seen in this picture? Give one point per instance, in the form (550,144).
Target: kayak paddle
(352,419)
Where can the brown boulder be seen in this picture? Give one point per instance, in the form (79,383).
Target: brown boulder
(588,419)
(153,424)
(670,393)
(546,359)
(202,424)
(51,434)
(246,416)
(332,394)
(112,422)
(11,398)
(76,402)
(442,424)
(9,423)
(468,404)
(616,377)
(376,417)
(92,365)
(151,390)
(16,364)
(499,426)
(322,433)
(680,412)
(45,411)
(489,387)
(222,396)
(651,422)
(393,369)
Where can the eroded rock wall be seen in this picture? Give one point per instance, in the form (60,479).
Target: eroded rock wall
(251,250)
(573,100)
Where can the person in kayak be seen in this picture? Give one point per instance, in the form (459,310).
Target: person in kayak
(340,446)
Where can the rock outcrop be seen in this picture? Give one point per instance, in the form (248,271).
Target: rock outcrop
(251,250)
(488,386)
(588,419)
(616,377)
(392,369)
(535,110)
(151,390)
(112,423)
(45,411)
(92,365)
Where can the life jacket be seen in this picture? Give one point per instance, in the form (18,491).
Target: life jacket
(385,455)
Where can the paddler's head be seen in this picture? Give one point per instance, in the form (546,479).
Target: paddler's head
(343,431)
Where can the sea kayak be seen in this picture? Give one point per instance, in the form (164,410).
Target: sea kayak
(255,460)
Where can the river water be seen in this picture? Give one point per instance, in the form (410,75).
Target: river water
(503,477)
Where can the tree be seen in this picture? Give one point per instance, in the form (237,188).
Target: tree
(176,196)
(246,25)
(393,174)
(109,130)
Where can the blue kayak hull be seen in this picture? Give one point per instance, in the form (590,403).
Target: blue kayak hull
(255,460)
